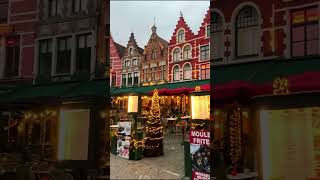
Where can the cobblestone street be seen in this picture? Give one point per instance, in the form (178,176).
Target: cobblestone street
(168,166)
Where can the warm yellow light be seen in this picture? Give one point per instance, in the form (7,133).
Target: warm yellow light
(73,128)
(200,107)
(133,104)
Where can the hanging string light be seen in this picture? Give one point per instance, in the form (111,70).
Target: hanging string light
(235,136)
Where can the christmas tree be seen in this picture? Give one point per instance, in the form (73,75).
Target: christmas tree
(153,145)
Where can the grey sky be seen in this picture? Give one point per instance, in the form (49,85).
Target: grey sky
(138,16)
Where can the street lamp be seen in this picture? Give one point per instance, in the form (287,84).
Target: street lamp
(134,110)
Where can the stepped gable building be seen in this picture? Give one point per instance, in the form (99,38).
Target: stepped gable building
(154,60)
(116,53)
(189,53)
(131,64)
(202,41)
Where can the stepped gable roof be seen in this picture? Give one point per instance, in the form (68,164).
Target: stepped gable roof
(181,24)
(205,22)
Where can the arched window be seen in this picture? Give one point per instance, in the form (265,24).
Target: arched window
(217,30)
(176,73)
(176,55)
(181,36)
(247,32)
(187,52)
(130,51)
(187,72)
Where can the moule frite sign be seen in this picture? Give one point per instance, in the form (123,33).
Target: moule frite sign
(200,154)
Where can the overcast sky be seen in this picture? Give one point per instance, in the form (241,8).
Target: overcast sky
(138,16)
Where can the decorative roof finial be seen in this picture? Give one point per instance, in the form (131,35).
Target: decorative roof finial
(154,21)
(181,14)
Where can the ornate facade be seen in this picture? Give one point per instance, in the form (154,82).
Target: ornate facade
(131,64)
(189,53)
(154,60)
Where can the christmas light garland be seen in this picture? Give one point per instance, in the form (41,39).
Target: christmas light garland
(153,144)
(235,136)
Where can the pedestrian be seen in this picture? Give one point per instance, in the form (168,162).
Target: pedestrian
(24,171)
(57,172)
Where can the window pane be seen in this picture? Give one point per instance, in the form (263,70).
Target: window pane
(62,45)
(76,5)
(49,45)
(298,34)
(312,31)
(43,46)
(298,49)
(81,41)
(312,14)
(69,43)
(217,46)
(313,47)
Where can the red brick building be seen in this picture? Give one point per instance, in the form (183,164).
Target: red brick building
(154,62)
(189,53)
(17,38)
(265,56)
(116,53)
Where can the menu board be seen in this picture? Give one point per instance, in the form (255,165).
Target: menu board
(124,139)
(200,154)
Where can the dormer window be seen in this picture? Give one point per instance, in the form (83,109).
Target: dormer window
(181,36)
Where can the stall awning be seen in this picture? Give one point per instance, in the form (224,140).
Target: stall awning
(251,79)
(55,92)
(164,89)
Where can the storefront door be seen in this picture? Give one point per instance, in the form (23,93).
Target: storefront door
(289,143)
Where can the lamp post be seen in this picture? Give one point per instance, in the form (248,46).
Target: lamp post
(134,109)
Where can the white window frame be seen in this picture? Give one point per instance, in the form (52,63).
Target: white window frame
(173,54)
(200,56)
(189,71)
(189,54)
(174,75)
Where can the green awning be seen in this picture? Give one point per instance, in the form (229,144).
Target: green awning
(263,71)
(90,88)
(149,89)
(55,91)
